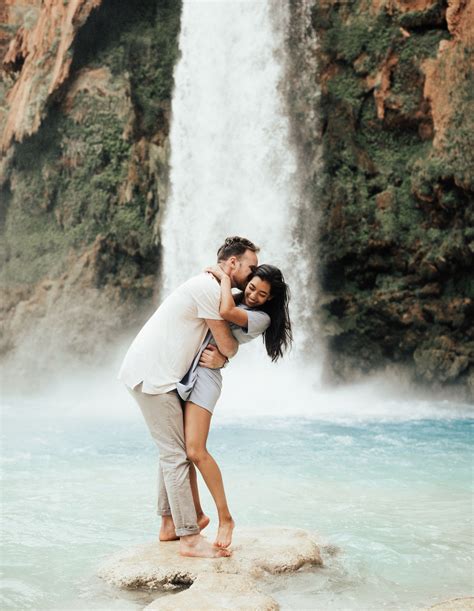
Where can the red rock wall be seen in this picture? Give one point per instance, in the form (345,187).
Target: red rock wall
(43,54)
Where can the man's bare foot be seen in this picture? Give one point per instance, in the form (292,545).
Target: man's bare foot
(167,530)
(197,546)
(224,533)
(203,520)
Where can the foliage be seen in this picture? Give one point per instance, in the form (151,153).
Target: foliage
(65,182)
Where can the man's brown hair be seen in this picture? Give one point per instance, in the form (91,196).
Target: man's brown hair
(235,246)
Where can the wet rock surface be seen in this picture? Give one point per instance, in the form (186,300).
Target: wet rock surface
(218,583)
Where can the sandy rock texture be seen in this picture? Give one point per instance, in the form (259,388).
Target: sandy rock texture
(219,583)
(216,592)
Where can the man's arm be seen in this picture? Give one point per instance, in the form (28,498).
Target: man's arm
(225,341)
(211,358)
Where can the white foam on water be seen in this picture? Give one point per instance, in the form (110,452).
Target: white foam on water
(254,389)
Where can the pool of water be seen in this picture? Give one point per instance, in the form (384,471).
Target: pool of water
(391,502)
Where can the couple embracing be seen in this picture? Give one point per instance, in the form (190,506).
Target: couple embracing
(173,371)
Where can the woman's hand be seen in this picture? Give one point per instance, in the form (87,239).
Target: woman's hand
(217,272)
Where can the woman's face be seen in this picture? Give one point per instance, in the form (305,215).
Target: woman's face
(257,292)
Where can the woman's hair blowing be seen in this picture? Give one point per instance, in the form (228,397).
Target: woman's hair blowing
(278,337)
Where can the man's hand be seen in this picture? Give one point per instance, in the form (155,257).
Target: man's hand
(212,358)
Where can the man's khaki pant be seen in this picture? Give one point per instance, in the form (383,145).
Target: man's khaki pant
(164,417)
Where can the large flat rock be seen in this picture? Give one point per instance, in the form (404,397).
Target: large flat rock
(217,583)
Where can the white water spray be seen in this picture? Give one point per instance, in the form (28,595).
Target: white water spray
(232,169)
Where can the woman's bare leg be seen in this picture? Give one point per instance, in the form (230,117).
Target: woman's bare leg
(197,421)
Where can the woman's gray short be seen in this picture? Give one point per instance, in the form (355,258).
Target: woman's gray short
(207,388)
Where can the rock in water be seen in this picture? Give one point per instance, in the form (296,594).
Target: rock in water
(217,591)
(218,583)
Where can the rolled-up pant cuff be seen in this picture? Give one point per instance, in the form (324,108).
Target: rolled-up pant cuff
(164,512)
(187,530)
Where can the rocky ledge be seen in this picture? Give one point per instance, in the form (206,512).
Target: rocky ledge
(220,583)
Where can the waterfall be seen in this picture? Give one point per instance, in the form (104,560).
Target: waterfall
(233,171)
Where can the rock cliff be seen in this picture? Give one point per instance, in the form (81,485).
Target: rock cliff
(391,171)
(84,122)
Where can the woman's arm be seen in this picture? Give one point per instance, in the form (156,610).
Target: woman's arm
(225,341)
(228,310)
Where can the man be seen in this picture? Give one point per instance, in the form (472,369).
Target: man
(157,360)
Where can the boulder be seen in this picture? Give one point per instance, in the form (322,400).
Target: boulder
(217,591)
(214,583)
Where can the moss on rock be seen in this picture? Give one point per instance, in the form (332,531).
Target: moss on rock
(395,253)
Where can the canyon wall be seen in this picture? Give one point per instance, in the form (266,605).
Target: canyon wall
(390,168)
(84,122)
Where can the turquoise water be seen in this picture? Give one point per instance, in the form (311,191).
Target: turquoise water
(390,501)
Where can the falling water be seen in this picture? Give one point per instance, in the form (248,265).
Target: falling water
(233,171)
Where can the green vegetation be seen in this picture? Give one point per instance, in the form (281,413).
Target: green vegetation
(66,181)
(143,45)
(365,155)
(395,254)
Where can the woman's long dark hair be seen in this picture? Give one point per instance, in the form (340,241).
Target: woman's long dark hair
(278,337)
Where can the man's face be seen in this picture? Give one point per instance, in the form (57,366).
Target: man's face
(242,269)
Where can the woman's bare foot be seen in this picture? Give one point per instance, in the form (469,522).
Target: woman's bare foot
(197,546)
(168,532)
(224,533)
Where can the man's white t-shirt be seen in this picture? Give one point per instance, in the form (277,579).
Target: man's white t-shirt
(164,349)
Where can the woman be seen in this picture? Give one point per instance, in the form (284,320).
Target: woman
(262,309)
